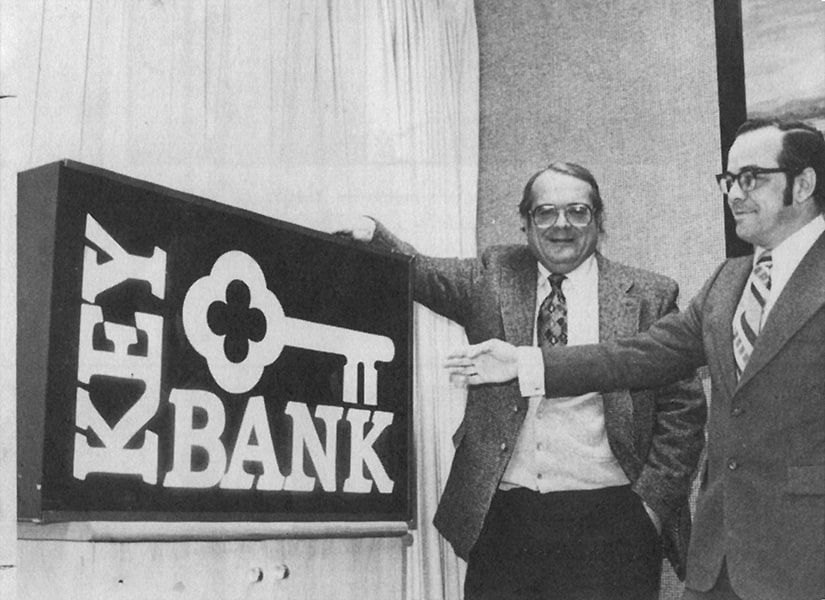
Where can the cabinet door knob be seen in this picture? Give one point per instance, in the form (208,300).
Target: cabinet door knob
(280,571)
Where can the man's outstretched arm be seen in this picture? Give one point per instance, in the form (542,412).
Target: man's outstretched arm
(670,350)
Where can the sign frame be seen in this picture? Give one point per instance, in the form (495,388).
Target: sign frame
(45,196)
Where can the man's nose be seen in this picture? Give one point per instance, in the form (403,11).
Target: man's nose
(561,220)
(735,191)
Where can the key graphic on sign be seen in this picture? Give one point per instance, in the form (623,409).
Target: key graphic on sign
(358,347)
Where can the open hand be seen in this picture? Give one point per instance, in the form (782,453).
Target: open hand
(493,361)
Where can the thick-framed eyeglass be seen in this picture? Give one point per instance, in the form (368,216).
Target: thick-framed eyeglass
(546,215)
(747,178)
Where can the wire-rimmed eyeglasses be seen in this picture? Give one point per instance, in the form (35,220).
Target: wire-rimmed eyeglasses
(546,215)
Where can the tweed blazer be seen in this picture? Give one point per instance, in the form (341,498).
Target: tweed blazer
(656,435)
(761,502)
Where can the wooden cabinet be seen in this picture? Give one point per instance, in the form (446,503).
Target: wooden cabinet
(294,569)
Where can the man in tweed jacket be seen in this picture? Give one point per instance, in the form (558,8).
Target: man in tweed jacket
(576,496)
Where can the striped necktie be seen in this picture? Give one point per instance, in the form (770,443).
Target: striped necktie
(747,321)
(552,319)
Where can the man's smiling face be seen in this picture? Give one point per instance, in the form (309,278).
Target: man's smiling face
(761,214)
(561,247)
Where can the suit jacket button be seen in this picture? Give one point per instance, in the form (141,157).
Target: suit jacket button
(732,464)
(503,446)
(515,408)
(737,411)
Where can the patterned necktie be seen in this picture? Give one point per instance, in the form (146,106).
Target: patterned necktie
(748,317)
(552,320)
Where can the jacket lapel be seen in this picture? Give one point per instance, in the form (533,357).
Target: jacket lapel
(518,297)
(722,301)
(618,312)
(803,295)
(618,316)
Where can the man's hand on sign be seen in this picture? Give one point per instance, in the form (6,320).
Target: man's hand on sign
(360,229)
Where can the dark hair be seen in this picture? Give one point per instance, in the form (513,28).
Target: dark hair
(803,146)
(566,168)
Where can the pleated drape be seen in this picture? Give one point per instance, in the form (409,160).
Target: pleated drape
(309,111)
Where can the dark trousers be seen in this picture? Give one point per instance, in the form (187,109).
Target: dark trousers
(576,545)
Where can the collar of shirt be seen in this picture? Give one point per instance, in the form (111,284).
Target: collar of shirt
(581,290)
(787,256)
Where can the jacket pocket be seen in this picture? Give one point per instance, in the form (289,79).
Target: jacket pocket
(806,479)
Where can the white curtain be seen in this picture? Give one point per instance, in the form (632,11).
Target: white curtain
(310,111)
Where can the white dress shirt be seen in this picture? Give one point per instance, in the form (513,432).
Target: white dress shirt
(562,444)
(786,258)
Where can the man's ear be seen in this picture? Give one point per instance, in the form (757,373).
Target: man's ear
(600,222)
(524,223)
(804,185)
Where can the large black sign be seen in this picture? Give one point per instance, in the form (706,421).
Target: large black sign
(178,358)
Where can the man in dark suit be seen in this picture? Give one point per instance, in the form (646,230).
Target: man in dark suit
(759,324)
(572,497)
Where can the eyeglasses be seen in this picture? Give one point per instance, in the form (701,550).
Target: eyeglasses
(747,178)
(546,215)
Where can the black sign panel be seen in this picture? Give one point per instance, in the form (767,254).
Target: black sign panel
(183,359)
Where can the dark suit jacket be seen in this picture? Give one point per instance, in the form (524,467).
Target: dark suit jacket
(761,504)
(656,435)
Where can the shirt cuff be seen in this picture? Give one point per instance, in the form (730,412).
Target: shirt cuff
(530,371)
